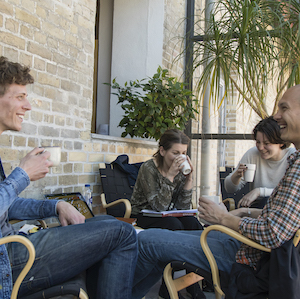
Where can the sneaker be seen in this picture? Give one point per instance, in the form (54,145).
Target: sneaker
(195,291)
(164,294)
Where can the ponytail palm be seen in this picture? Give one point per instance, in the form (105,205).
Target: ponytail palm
(252,45)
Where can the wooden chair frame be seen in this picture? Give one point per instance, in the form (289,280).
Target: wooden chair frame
(27,243)
(212,262)
(180,283)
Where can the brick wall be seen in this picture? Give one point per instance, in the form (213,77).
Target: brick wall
(56,39)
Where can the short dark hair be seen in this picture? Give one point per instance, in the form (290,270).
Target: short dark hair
(167,140)
(271,129)
(13,73)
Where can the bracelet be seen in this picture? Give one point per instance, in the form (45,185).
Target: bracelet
(248,211)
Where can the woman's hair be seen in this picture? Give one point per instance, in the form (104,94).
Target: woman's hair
(270,128)
(167,140)
(13,73)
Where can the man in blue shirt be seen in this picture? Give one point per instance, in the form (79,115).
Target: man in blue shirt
(102,246)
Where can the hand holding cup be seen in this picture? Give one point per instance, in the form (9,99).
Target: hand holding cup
(55,154)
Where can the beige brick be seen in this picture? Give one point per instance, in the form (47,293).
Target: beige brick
(120,149)
(87,168)
(26,59)
(68,180)
(33,142)
(97,147)
(132,150)
(96,157)
(104,147)
(88,147)
(28,18)
(37,116)
(49,118)
(60,120)
(40,11)
(112,148)
(70,86)
(12,40)
(39,50)
(78,167)
(6,140)
(110,158)
(12,25)
(79,125)
(77,156)
(74,29)
(6,8)
(86,179)
(39,64)
(85,135)
(68,168)
(50,92)
(51,68)
(64,12)
(8,154)
(40,38)
(85,23)
(54,31)
(47,79)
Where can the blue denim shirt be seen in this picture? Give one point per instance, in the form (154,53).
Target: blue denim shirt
(14,207)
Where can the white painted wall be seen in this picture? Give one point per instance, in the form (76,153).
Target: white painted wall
(137,46)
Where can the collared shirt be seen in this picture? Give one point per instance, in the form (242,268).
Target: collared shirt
(14,207)
(280,218)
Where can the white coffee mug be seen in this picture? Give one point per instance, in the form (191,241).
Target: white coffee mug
(249,173)
(186,166)
(55,154)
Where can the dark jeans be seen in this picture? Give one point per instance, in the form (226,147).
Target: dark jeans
(104,246)
(171,223)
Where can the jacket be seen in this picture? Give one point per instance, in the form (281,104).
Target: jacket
(277,276)
(14,207)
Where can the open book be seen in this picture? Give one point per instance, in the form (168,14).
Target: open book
(172,213)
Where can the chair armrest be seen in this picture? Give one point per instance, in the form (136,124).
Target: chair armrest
(210,257)
(31,250)
(231,203)
(125,201)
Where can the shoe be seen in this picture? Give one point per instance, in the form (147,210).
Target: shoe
(164,294)
(207,286)
(195,291)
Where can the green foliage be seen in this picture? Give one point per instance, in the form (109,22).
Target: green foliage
(252,45)
(154,105)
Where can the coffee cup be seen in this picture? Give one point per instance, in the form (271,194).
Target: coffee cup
(249,173)
(215,198)
(55,154)
(186,166)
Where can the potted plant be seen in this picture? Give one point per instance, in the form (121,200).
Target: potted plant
(253,46)
(154,104)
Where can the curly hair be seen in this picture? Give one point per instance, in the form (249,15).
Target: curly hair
(167,140)
(13,73)
(270,128)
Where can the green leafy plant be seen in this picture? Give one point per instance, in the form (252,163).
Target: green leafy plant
(253,46)
(154,104)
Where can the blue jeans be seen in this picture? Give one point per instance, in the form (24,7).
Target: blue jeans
(158,247)
(104,246)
